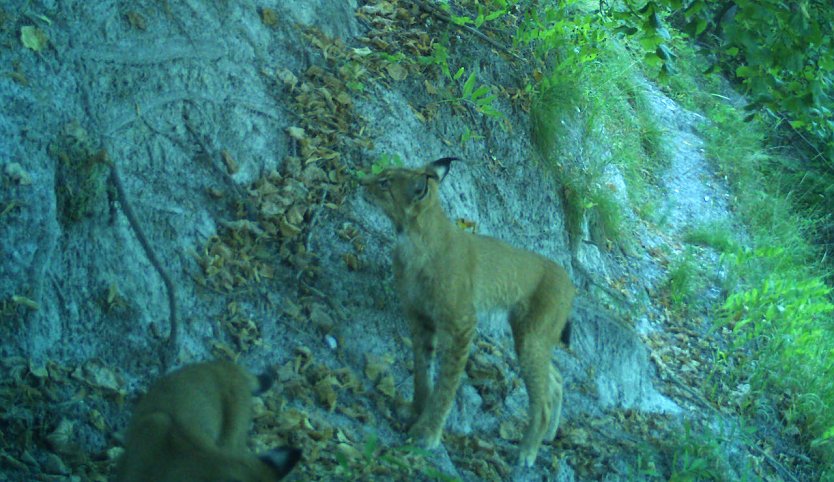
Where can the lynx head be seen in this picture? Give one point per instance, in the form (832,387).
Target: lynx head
(404,193)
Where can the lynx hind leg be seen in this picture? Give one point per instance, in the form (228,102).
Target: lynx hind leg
(534,358)
(555,395)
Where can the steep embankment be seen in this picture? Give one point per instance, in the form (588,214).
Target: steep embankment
(237,130)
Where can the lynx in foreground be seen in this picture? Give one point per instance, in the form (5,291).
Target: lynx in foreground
(444,275)
(192,425)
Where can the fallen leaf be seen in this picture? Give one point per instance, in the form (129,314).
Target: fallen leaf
(396,71)
(61,439)
(33,38)
(231,164)
(297,133)
(321,318)
(27,302)
(17,174)
(386,386)
(326,393)
(509,430)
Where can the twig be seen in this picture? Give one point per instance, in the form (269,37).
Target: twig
(170,348)
(431,9)
(312,227)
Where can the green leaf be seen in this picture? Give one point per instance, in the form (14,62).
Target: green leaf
(650,43)
(461,20)
(627,30)
(652,60)
(459,73)
(700,26)
(33,38)
(468,86)
(480,92)
(495,15)
(712,69)
(479,20)
(744,71)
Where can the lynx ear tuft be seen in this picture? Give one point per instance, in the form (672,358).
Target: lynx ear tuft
(265,381)
(440,167)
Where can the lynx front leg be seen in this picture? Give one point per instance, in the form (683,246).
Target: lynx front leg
(429,427)
(424,341)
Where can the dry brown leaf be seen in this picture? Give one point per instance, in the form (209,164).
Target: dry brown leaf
(62,438)
(396,71)
(348,451)
(297,133)
(288,230)
(326,393)
(17,174)
(288,78)
(510,430)
(351,261)
(386,386)
(430,89)
(231,164)
(295,215)
(95,375)
(321,318)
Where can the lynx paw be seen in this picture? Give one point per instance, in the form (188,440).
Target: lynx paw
(527,457)
(425,436)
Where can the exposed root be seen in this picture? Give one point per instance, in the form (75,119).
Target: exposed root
(169,349)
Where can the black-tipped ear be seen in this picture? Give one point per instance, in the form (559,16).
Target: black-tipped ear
(440,167)
(282,460)
(265,381)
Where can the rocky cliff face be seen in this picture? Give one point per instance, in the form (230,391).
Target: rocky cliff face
(237,130)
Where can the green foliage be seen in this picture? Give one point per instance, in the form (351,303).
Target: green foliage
(439,57)
(783,316)
(385,161)
(693,452)
(696,457)
(779,307)
(684,280)
(489,11)
(716,235)
(782,53)
(590,86)
(480,98)
(561,34)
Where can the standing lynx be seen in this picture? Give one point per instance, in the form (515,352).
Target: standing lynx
(444,277)
(192,426)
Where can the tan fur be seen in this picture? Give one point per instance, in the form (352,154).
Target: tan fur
(192,425)
(445,275)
